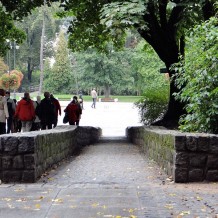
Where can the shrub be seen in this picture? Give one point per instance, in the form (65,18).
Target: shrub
(153,104)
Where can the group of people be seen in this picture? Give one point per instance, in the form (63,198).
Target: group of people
(28,115)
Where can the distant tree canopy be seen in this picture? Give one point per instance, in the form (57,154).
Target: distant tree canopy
(161,23)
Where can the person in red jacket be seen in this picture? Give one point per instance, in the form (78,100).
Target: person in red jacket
(25,112)
(73,112)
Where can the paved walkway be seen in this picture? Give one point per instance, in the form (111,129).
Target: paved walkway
(111,179)
(112,117)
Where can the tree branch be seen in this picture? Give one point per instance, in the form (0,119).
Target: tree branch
(162,12)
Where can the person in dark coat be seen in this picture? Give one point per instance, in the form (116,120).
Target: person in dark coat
(46,112)
(73,112)
(80,109)
(57,109)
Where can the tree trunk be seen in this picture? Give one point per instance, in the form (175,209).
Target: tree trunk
(41,53)
(107,91)
(29,70)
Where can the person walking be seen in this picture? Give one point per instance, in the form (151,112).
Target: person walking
(73,112)
(11,110)
(81,99)
(94,97)
(37,122)
(47,113)
(3,112)
(80,109)
(57,109)
(25,112)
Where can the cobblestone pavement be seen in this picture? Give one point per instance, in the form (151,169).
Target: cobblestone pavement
(111,179)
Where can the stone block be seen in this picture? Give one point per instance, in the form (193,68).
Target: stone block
(29,161)
(191,143)
(10,145)
(1,145)
(203,143)
(29,176)
(212,175)
(195,175)
(212,162)
(197,160)
(180,143)
(180,174)
(18,162)
(181,159)
(7,162)
(26,145)
(214,145)
(11,176)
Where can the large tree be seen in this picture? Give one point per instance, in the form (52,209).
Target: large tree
(161,23)
(60,75)
(10,11)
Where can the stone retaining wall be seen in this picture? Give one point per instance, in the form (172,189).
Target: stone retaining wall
(26,156)
(186,157)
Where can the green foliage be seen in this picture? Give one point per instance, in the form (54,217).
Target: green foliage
(96,69)
(60,75)
(8,31)
(29,51)
(153,104)
(199,79)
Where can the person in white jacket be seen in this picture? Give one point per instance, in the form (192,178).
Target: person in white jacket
(3,112)
(94,97)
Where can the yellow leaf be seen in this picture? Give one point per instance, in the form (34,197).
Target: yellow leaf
(118,216)
(169,206)
(6,199)
(95,204)
(131,210)
(19,190)
(172,194)
(199,198)
(58,200)
(104,206)
(184,213)
(37,206)
(132,216)
(73,206)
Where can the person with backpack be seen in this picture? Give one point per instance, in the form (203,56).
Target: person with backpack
(73,112)
(37,121)
(80,109)
(11,110)
(47,113)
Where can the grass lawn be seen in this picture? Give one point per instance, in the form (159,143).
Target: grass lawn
(88,98)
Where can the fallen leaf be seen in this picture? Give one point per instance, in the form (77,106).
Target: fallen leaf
(184,213)
(95,204)
(131,210)
(6,199)
(73,206)
(169,206)
(58,200)
(199,198)
(37,206)
(172,194)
